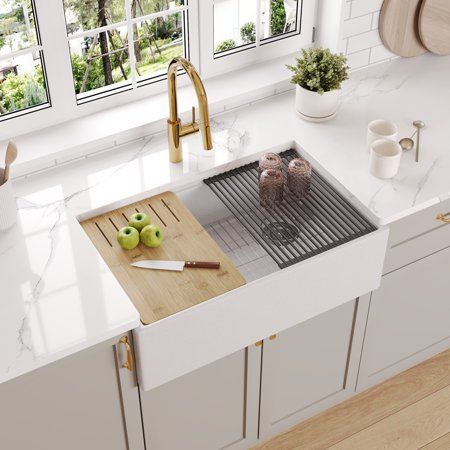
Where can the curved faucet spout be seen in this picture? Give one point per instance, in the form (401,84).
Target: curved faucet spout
(175,128)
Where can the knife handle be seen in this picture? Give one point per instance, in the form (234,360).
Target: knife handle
(202,265)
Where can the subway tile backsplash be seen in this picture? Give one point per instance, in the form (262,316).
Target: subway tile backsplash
(361,41)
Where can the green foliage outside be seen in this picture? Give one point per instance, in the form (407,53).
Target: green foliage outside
(13,31)
(248,33)
(87,14)
(161,62)
(22,91)
(146,66)
(96,77)
(158,34)
(319,70)
(225,45)
(277,17)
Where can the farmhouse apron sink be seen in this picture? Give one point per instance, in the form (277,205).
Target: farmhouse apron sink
(298,261)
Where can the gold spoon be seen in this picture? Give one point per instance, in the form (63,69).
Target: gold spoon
(419,124)
(10,157)
(406,144)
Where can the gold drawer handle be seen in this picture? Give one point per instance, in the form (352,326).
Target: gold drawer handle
(444,217)
(129,364)
(271,338)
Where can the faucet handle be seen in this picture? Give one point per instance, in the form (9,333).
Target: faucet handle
(190,128)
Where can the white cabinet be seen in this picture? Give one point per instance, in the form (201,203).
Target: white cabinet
(213,407)
(304,369)
(72,404)
(227,404)
(409,318)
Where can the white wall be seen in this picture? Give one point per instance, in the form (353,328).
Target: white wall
(360,39)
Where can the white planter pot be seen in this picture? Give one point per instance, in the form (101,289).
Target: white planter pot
(315,107)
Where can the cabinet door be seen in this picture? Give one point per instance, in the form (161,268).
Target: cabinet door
(214,407)
(304,369)
(409,319)
(72,404)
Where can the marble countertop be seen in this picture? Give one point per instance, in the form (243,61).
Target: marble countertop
(59,297)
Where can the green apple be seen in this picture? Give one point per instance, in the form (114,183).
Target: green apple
(151,236)
(128,238)
(139,221)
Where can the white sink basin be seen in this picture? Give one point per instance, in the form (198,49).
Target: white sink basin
(271,301)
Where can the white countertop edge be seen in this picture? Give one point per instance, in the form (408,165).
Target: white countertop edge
(122,328)
(407,212)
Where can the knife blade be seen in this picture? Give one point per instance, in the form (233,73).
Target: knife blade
(175,265)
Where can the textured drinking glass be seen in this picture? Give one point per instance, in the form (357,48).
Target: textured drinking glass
(271,184)
(299,177)
(270,161)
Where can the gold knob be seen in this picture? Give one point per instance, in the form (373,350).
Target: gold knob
(129,363)
(259,343)
(273,337)
(444,217)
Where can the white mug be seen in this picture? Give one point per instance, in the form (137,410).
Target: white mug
(384,159)
(381,129)
(8,209)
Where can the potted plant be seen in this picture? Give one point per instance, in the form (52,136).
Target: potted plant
(318,76)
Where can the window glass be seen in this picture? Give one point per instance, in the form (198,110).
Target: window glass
(100,60)
(22,77)
(112,51)
(84,15)
(235,22)
(157,42)
(278,17)
(141,8)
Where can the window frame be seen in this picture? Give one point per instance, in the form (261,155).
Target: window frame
(63,106)
(25,51)
(135,82)
(261,50)
(59,79)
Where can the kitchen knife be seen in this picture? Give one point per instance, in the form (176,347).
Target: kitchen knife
(175,265)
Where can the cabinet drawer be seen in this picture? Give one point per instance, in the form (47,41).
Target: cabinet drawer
(417,236)
(223,325)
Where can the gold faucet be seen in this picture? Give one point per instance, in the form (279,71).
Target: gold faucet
(174,127)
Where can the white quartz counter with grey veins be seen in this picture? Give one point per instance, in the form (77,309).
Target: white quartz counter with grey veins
(58,296)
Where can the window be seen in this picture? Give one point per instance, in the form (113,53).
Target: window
(235,23)
(95,49)
(118,45)
(23,85)
(246,31)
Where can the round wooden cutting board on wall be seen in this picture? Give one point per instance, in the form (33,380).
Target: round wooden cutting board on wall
(434,26)
(398,27)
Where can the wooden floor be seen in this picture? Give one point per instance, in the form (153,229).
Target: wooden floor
(410,411)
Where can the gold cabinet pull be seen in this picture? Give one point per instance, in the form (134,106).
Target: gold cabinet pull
(129,363)
(273,337)
(444,217)
(258,344)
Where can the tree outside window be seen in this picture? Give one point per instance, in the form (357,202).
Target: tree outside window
(112,48)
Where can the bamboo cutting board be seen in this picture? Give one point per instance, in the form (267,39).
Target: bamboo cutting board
(434,26)
(398,27)
(158,293)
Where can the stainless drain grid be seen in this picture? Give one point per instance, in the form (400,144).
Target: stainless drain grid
(249,257)
(296,229)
